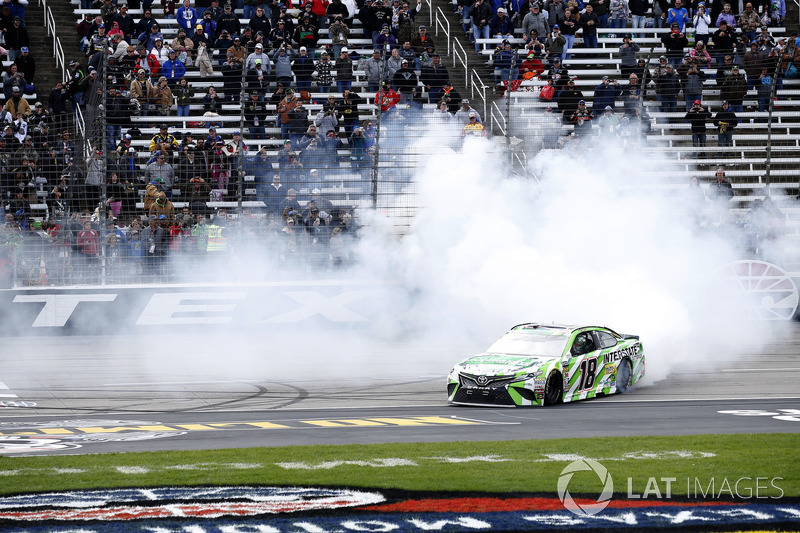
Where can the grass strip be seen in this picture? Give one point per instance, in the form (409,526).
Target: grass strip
(507,466)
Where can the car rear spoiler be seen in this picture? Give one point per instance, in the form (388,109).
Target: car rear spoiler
(626,336)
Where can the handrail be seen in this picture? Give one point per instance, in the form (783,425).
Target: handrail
(445,25)
(477,85)
(58,49)
(80,127)
(462,57)
(430,12)
(495,123)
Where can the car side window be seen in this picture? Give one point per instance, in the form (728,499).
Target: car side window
(583,344)
(607,340)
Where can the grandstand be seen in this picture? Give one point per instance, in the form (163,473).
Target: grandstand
(341,172)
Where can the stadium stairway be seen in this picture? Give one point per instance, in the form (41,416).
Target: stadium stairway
(47,74)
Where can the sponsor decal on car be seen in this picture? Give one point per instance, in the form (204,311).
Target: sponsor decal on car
(631,351)
(294,509)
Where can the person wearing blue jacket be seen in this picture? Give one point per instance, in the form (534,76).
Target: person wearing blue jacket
(501,26)
(606,94)
(173,69)
(679,15)
(186,16)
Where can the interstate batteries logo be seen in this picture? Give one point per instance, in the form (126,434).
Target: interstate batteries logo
(585,509)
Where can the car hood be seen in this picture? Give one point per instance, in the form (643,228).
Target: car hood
(488,364)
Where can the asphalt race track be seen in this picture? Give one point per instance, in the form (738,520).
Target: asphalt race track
(72,389)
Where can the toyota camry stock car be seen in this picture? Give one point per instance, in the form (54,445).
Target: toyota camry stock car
(545,364)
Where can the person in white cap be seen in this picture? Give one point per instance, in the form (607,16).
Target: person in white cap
(372,68)
(344,70)
(463,113)
(303,68)
(501,26)
(250,62)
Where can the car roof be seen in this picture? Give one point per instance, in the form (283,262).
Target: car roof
(554,329)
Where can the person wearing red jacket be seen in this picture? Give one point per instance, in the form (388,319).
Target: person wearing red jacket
(388,97)
(531,65)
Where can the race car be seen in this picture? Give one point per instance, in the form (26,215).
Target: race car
(546,364)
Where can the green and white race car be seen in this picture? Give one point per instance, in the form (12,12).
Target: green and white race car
(545,364)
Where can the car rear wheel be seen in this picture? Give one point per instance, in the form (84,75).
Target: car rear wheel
(623,376)
(554,389)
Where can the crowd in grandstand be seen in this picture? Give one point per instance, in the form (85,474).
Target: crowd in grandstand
(292,69)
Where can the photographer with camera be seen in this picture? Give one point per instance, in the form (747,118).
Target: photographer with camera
(675,41)
(697,116)
(606,94)
(627,55)
(725,120)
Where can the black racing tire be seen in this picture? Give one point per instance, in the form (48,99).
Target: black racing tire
(624,376)
(554,389)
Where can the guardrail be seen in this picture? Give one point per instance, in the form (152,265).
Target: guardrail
(476,85)
(58,50)
(442,22)
(460,56)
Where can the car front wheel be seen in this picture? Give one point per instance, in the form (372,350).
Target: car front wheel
(554,389)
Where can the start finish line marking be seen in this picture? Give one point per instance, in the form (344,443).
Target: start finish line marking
(398,421)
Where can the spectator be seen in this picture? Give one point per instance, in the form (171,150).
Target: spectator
(344,71)
(259,22)
(697,116)
(16,37)
(568,27)
(26,65)
(589,22)
(349,108)
(582,121)
(632,95)
(393,64)
(693,85)
(183,97)
(638,9)
(161,170)
(306,34)
(763,89)
(125,22)
(283,58)
(555,43)
(186,16)
(373,71)
(303,68)
(228,21)
(434,77)
(386,41)
(258,54)
(568,100)
(288,104)
(203,60)
(764,41)
(387,98)
(675,41)
(280,35)
(627,55)
(144,24)
(749,22)
(405,81)
(678,15)
(95,177)
(668,85)
(702,24)
(463,114)
(17,104)
(481,14)
(173,69)
(160,96)
(339,32)
(12,77)
(258,79)
(324,69)
(727,16)
(606,94)
(720,189)
(753,60)
(531,67)
(199,36)
(618,15)
(184,46)
(235,55)
(734,89)
(507,63)
(326,120)
(725,120)
(255,114)
(500,26)
(535,20)
(724,42)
